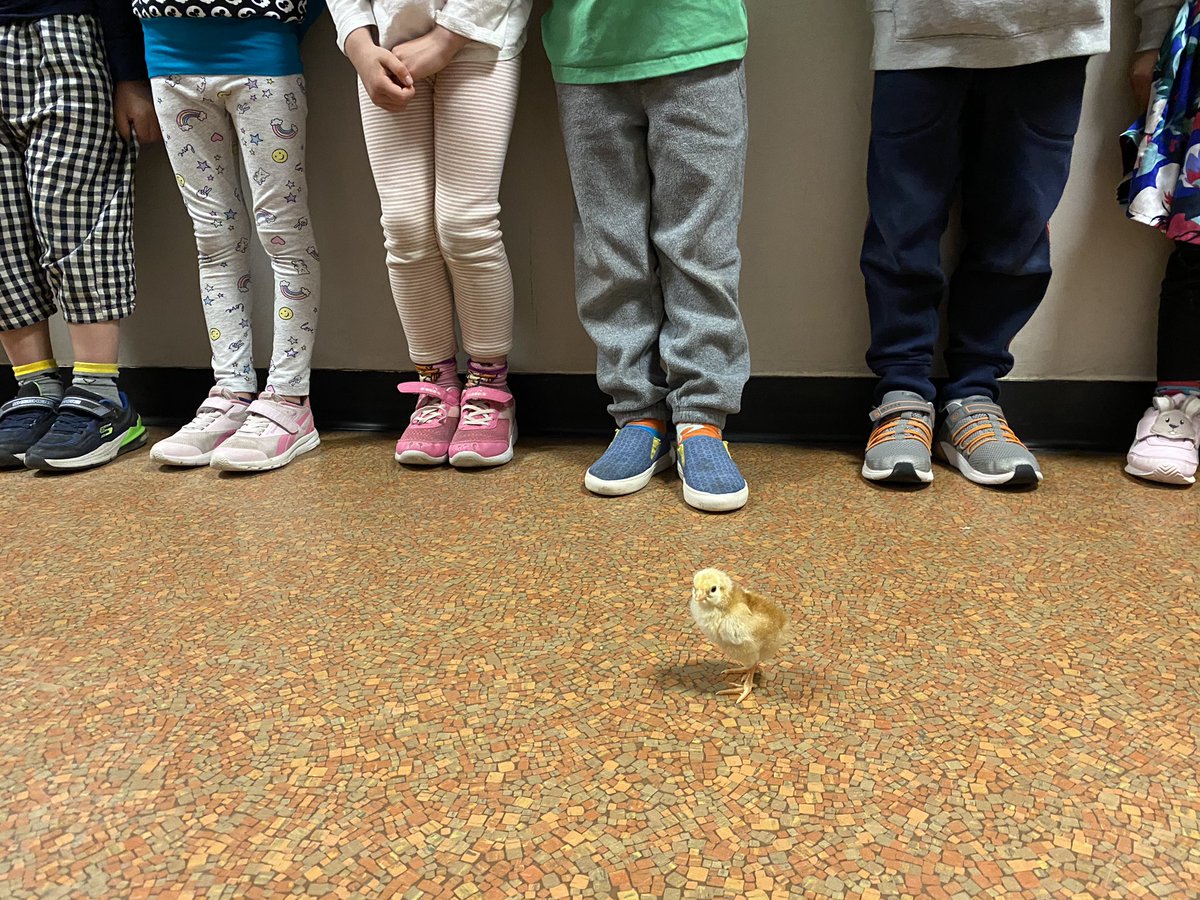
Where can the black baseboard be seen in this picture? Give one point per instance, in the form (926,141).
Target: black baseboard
(1077,415)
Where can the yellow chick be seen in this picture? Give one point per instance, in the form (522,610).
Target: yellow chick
(744,626)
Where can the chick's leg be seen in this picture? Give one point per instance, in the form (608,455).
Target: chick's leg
(747,685)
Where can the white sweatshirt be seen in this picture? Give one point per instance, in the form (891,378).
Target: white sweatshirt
(496,27)
(981,34)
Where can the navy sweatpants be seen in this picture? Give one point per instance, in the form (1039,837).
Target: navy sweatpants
(1003,137)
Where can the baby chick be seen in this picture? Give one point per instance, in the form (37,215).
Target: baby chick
(745,626)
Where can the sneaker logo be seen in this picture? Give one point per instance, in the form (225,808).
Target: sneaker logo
(105,430)
(654,445)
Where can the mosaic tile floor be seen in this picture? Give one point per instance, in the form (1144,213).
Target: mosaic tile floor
(348,679)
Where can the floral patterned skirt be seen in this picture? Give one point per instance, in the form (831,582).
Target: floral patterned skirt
(1162,149)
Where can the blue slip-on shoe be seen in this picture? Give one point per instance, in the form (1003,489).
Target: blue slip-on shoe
(635,455)
(88,431)
(711,480)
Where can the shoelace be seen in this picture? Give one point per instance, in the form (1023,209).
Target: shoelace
(981,429)
(23,419)
(428,413)
(204,418)
(255,425)
(73,424)
(477,415)
(900,428)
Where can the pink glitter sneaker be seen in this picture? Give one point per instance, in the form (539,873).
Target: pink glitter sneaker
(275,432)
(487,430)
(426,440)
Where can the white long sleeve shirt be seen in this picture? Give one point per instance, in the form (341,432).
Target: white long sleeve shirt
(496,28)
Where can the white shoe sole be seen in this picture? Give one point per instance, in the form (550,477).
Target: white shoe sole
(1165,473)
(166,459)
(959,462)
(713,502)
(223,464)
(417,458)
(105,453)
(468,459)
(910,475)
(631,485)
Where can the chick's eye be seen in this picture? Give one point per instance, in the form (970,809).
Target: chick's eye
(713,589)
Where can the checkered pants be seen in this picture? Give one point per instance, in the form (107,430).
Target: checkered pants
(66,178)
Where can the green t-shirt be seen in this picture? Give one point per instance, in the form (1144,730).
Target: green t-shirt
(602,41)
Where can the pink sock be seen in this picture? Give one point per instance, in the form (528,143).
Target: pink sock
(486,375)
(443,374)
(1166,388)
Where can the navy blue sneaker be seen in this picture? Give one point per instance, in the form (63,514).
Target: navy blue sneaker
(631,460)
(23,421)
(711,480)
(88,431)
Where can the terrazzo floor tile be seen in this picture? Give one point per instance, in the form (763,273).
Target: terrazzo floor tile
(350,679)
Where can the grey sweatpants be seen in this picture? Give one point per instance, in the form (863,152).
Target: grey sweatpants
(657,168)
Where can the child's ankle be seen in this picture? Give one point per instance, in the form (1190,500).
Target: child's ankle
(443,374)
(487,373)
(686,430)
(658,426)
(1167,388)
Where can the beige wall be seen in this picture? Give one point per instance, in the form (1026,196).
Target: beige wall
(805,206)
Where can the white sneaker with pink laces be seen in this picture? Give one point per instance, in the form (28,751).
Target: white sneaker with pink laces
(1165,445)
(487,429)
(431,428)
(275,432)
(219,416)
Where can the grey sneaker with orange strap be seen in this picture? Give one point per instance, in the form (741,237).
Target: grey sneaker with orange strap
(898,450)
(976,439)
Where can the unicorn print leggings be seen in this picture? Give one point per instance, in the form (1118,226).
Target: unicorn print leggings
(212,127)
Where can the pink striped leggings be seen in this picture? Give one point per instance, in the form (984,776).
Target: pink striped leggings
(437,168)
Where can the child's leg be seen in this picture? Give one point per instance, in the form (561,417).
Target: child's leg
(1179,323)
(616,288)
(697,152)
(401,150)
(80,183)
(1166,440)
(1019,134)
(269,115)
(913,167)
(200,140)
(79,178)
(474,103)
(26,298)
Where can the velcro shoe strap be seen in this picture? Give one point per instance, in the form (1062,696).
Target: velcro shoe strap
(983,407)
(84,405)
(19,403)
(429,389)
(901,406)
(486,393)
(271,411)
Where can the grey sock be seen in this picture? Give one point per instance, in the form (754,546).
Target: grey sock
(46,383)
(102,385)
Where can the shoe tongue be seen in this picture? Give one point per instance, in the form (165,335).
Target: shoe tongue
(30,389)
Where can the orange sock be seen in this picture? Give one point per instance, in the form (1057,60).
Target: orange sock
(658,426)
(685,431)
